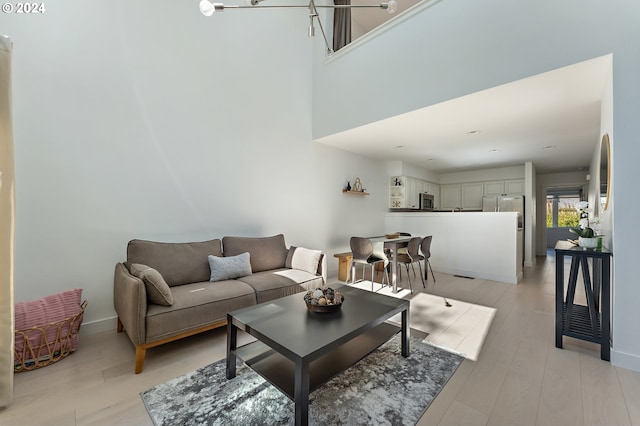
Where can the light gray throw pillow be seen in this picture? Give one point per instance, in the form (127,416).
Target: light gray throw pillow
(303,259)
(158,290)
(230,267)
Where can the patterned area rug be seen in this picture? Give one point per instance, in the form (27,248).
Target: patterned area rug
(382,389)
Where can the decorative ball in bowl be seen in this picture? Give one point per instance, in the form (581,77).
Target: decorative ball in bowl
(323,299)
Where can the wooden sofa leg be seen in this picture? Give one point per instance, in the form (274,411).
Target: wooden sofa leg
(140,354)
(120,326)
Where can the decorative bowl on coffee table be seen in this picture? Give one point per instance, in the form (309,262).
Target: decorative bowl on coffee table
(323,299)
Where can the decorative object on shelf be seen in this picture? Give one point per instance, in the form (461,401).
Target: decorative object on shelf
(348,186)
(587,236)
(323,299)
(587,242)
(208,8)
(392,236)
(357,185)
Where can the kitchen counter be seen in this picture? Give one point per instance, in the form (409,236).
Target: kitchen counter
(483,245)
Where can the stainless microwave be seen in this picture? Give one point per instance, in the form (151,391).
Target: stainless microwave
(426,201)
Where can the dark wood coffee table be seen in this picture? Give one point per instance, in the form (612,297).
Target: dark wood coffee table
(297,350)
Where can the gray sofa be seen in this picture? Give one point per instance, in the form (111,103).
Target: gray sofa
(197,304)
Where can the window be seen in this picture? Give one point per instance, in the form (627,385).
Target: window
(561,208)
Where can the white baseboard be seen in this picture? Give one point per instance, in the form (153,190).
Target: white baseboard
(98,326)
(625,360)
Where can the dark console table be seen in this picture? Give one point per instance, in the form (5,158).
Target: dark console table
(591,322)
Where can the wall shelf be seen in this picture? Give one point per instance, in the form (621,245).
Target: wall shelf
(355,192)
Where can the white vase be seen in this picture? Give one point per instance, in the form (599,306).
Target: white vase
(588,242)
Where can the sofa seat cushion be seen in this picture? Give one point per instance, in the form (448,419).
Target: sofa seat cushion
(197,305)
(178,263)
(270,285)
(266,253)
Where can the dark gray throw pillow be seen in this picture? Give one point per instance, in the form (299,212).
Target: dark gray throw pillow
(158,291)
(230,267)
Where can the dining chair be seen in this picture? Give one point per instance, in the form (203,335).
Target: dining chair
(410,257)
(425,246)
(401,250)
(363,254)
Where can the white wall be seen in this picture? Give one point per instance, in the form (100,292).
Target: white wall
(454,48)
(148,120)
(420,173)
(531,212)
(498,173)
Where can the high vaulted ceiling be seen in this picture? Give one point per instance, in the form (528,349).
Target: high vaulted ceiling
(551,119)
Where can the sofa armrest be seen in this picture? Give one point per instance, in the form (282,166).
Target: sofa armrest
(130,303)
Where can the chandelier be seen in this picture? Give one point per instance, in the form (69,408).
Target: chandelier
(208,8)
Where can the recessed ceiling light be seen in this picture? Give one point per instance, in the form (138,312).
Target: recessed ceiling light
(493,150)
(473,132)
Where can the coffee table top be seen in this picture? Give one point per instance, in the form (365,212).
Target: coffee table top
(286,325)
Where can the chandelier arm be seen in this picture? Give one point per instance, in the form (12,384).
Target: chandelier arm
(314,12)
(298,6)
(352,6)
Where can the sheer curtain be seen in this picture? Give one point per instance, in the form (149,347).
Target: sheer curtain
(341,25)
(6,225)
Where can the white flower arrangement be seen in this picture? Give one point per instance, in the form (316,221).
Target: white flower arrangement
(585,230)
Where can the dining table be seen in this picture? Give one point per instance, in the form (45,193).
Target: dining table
(393,245)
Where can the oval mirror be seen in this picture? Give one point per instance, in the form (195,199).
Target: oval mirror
(605,172)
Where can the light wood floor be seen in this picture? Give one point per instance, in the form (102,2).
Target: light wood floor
(520,378)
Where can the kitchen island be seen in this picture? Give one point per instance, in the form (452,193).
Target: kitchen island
(483,245)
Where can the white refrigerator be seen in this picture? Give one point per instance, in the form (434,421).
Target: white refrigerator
(505,203)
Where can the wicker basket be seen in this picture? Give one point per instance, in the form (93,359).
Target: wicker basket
(39,349)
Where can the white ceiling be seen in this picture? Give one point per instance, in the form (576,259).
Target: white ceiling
(551,119)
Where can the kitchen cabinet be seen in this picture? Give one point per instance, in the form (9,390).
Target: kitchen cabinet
(450,196)
(514,187)
(494,188)
(504,187)
(471,195)
(404,192)
(411,194)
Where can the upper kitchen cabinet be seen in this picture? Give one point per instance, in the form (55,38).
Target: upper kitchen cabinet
(514,187)
(411,194)
(471,194)
(466,196)
(494,188)
(504,187)
(450,196)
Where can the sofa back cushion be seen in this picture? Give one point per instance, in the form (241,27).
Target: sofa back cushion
(178,263)
(266,253)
